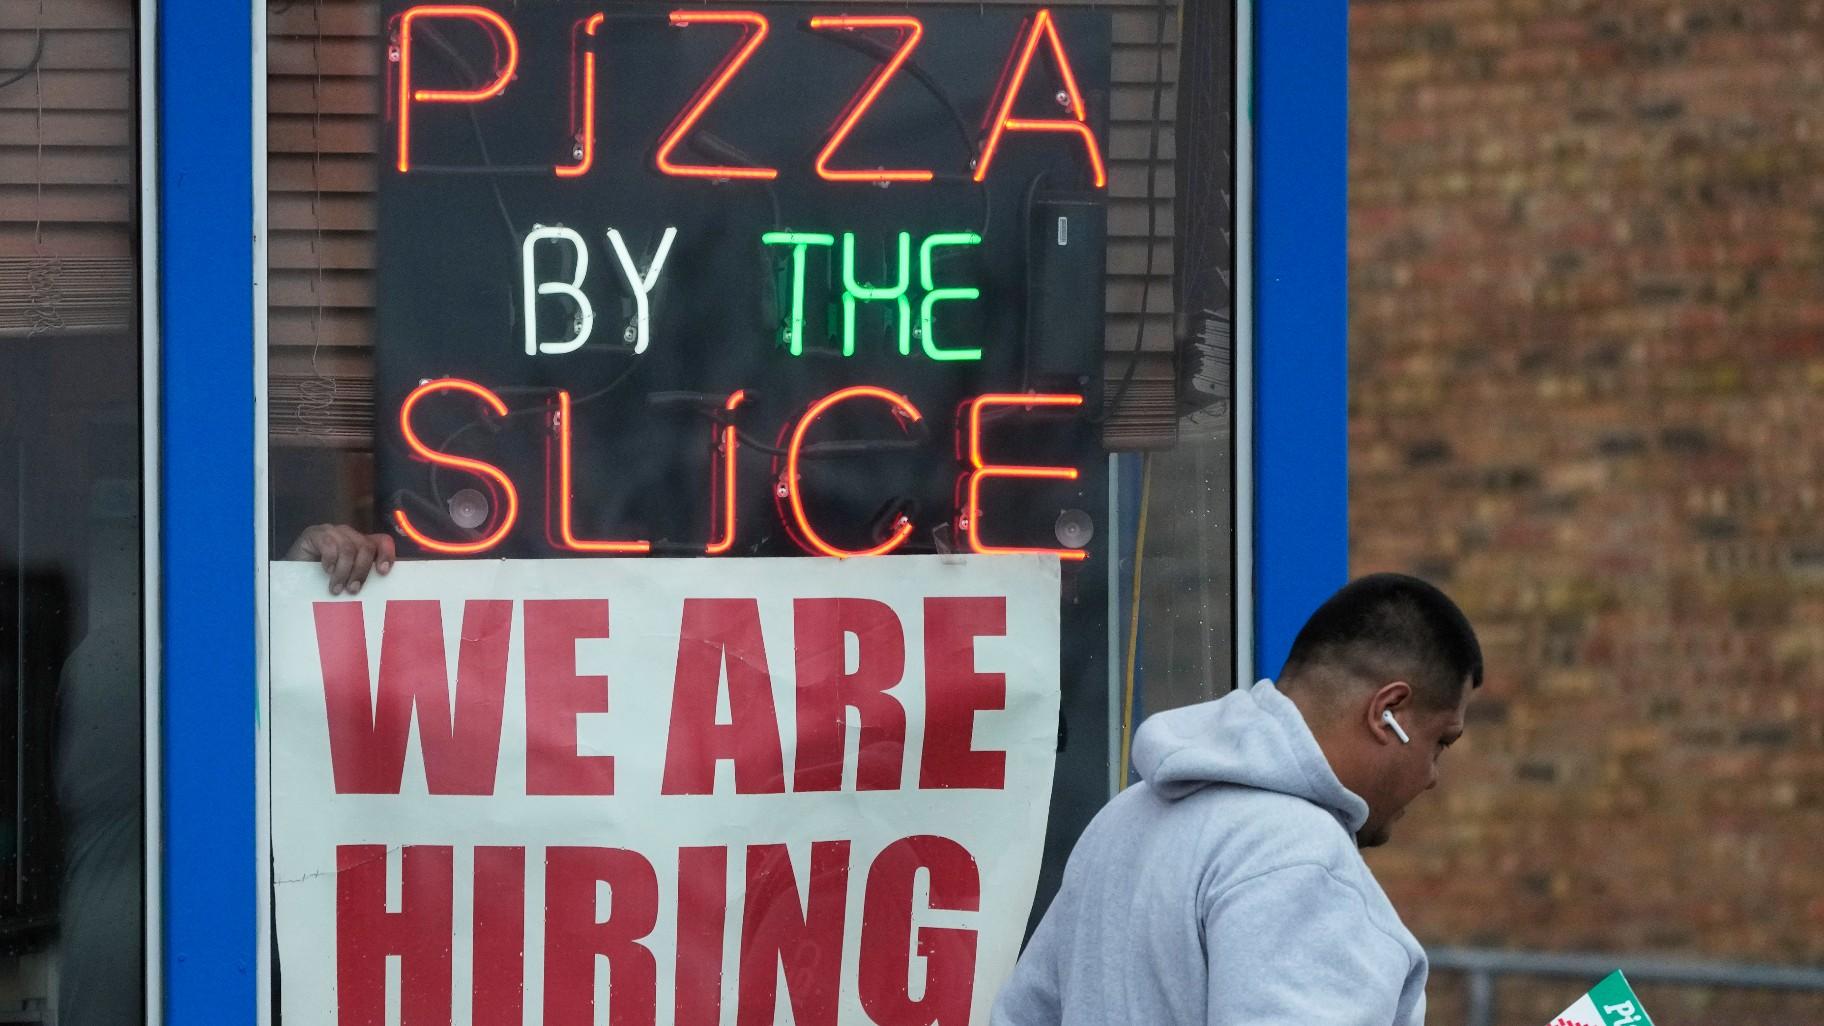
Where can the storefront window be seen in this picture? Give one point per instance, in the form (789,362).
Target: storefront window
(72,683)
(623,283)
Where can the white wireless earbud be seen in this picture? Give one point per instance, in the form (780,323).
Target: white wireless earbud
(1394,725)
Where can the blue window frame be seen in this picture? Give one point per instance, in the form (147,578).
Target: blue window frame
(210,896)
(1301,390)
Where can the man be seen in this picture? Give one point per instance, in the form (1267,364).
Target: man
(1227,888)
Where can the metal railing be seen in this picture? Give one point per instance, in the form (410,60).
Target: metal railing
(1482,965)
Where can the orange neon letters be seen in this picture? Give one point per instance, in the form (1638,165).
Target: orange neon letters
(566,535)
(407,95)
(723,482)
(587,141)
(981,471)
(753,36)
(1041,26)
(487,470)
(793,487)
(718,546)
(913,30)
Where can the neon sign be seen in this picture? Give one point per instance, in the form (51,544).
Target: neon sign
(800,243)
(739,282)
(754,33)
(755,27)
(935,295)
(642,281)
(1042,27)
(585,93)
(489,473)
(585,310)
(504,67)
(791,485)
(640,284)
(566,534)
(854,293)
(912,30)
(983,471)
(789,476)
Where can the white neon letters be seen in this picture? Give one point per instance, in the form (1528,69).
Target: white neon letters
(641,283)
(585,320)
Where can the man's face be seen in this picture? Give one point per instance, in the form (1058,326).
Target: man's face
(1409,770)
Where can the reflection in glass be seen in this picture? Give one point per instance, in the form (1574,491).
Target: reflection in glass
(71,662)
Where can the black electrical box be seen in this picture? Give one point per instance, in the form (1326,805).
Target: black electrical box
(1067,243)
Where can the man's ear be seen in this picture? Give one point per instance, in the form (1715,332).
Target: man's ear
(1394,697)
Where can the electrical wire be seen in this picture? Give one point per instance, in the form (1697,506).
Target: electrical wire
(882,52)
(971,145)
(715,146)
(919,432)
(317,394)
(1032,194)
(524,411)
(36,68)
(708,407)
(30,65)
(481,143)
(1133,619)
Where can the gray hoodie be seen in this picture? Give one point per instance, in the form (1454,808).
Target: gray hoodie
(1224,890)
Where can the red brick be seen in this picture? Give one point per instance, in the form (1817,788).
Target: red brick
(1586,247)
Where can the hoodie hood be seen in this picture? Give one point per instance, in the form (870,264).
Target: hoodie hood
(1252,737)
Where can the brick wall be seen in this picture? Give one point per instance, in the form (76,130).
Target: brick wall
(1587,397)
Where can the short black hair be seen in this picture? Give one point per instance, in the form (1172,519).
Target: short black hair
(1388,627)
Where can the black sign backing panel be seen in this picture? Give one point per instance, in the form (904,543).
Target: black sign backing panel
(645,426)
(451,289)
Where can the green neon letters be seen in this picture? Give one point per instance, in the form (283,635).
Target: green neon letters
(927,332)
(897,291)
(799,241)
(855,293)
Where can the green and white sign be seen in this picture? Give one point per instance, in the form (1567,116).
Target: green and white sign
(1609,1003)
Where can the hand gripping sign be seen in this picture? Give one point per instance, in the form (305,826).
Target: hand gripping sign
(660,791)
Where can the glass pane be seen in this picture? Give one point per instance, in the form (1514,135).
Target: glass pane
(499,231)
(71,658)
(1178,499)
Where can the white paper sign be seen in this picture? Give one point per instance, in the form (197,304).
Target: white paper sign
(697,792)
